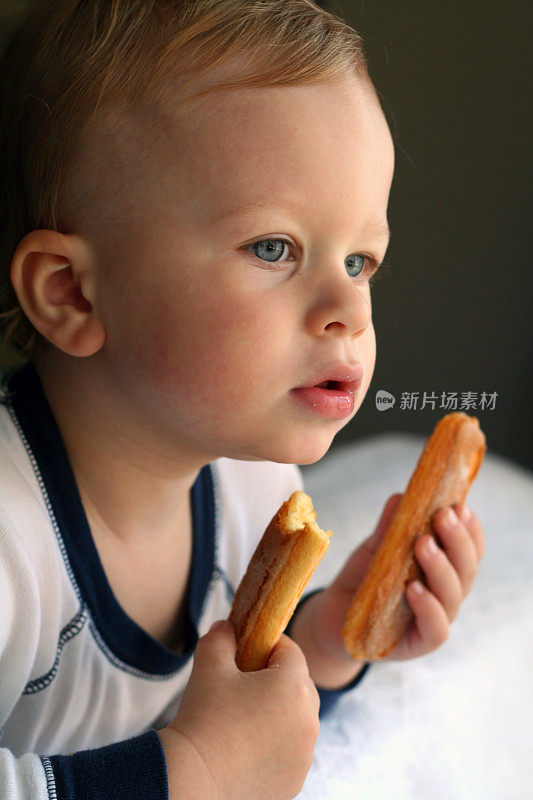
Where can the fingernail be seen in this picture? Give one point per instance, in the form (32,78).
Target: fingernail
(417,587)
(451,517)
(217,625)
(432,546)
(465,513)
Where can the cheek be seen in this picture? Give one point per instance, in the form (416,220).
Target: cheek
(201,347)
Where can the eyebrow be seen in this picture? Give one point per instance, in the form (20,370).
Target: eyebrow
(380,228)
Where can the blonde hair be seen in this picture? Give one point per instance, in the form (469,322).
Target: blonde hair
(69,59)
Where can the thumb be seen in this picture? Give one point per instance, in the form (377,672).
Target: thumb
(218,643)
(220,625)
(286,654)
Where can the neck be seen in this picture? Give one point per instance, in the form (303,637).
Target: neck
(131,487)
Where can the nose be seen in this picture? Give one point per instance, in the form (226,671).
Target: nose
(340,306)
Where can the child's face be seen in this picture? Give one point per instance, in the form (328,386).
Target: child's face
(206,338)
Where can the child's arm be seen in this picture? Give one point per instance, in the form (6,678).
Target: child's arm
(131,768)
(236,736)
(243,734)
(449,573)
(234,731)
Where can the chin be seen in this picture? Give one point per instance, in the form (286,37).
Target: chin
(306,450)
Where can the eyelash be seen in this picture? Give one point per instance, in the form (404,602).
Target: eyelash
(374,263)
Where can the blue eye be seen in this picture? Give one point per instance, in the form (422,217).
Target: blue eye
(269,249)
(355,264)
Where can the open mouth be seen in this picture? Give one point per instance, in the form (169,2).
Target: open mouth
(326,385)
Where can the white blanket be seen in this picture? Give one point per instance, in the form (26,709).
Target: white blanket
(456,724)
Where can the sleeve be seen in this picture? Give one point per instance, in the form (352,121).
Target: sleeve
(126,770)
(329,697)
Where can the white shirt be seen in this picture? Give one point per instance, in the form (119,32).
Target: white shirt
(77,674)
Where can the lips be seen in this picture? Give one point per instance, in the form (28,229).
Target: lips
(337,377)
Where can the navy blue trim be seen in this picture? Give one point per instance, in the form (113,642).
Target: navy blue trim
(70,630)
(328,697)
(135,767)
(228,588)
(121,634)
(301,602)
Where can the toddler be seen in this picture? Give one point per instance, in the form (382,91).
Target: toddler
(194,207)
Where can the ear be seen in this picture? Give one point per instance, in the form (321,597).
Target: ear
(53,277)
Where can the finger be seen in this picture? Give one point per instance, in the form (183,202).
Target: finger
(473,526)
(458,546)
(431,627)
(217,647)
(441,578)
(288,655)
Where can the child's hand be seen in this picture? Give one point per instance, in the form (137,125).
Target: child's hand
(252,733)
(449,574)
(449,571)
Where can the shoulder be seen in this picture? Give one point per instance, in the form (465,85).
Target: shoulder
(31,579)
(22,504)
(20,617)
(29,564)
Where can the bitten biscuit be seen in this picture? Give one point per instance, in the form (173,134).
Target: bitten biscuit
(378,614)
(284,560)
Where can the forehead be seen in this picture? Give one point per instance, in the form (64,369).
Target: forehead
(322,143)
(254,142)
(256,126)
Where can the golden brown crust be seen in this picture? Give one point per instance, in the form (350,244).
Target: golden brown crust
(284,560)
(378,614)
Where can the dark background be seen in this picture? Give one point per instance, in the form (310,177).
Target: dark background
(454,313)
